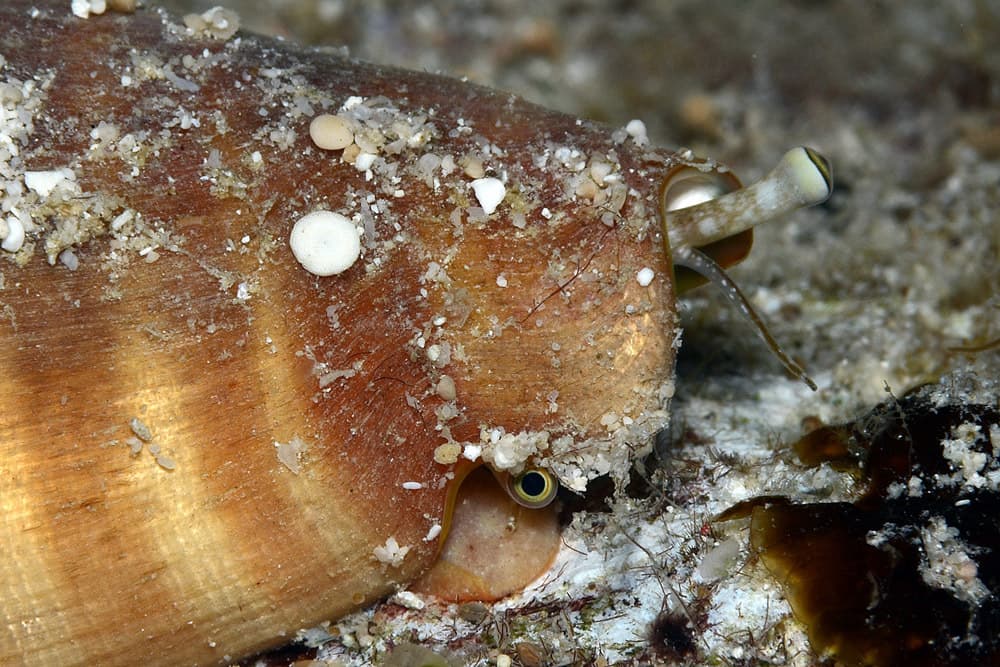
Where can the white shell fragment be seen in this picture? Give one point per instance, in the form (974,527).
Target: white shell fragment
(490,192)
(13,237)
(325,243)
(645,276)
(44,182)
(364,161)
(330,132)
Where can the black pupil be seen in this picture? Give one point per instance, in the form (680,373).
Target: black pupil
(532,484)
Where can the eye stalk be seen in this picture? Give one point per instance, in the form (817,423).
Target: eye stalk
(534,487)
(802,178)
(708,228)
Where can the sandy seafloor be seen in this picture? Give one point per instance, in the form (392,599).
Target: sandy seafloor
(871,290)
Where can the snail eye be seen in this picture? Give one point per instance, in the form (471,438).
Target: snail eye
(533,488)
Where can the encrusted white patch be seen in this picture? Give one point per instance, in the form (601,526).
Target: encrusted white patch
(510,451)
(217,23)
(391,554)
(947,563)
(960,452)
(637,130)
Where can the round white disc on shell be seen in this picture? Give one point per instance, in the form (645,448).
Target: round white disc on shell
(325,243)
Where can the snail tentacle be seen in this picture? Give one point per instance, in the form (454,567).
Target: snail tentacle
(694,259)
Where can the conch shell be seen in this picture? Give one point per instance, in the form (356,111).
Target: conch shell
(203,445)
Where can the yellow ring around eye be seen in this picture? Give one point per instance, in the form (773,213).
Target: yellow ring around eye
(533,488)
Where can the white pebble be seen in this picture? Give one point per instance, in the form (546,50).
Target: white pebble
(325,243)
(412,486)
(69,259)
(14,239)
(645,276)
(501,280)
(331,132)
(490,192)
(84,8)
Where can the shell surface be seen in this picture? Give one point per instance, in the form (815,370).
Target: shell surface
(203,446)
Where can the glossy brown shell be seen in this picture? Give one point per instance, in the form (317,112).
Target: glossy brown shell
(205,545)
